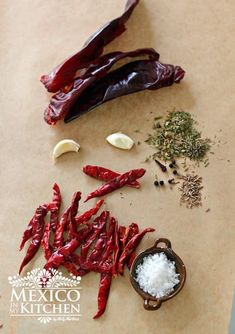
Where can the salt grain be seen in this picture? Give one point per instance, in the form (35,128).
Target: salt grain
(157,275)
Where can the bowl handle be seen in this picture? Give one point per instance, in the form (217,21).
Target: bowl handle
(164,241)
(152,307)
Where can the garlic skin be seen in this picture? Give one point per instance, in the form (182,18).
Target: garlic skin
(120,140)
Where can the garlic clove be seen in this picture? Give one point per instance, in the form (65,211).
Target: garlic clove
(65,146)
(120,140)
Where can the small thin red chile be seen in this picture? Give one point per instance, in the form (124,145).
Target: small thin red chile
(82,244)
(117,183)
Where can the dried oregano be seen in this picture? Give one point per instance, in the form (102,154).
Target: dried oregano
(178,137)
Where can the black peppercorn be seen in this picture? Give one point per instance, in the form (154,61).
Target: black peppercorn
(175,172)
(171,181)
(172,164)
(161,183)
(163,168)
(156,183)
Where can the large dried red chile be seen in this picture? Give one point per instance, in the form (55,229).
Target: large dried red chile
(130,78)
(64,73)
(61,102)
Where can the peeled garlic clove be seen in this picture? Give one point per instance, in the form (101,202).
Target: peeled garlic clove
(64,146)
(120,140)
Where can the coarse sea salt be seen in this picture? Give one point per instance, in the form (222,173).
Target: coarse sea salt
(156,275)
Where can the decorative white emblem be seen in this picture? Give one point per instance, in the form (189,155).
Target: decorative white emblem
(30,295)
(42,278)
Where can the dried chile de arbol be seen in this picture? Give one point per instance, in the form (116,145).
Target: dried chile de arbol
(104,174)
(61,102)
(65,221)
(64,73)
(110,246)
(133,229)
(58,256)
(29,232)
(73,212)
(72,268)
(59,233)
(52,225)
(46,242)
(98,248)
(116,183)
(82,244)
(130,78)
(103,295)
(130,248)
(125,235)
(97,226)
(37,237)
(86,216)
(57,201)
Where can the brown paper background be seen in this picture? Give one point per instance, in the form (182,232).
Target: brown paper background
(198,35)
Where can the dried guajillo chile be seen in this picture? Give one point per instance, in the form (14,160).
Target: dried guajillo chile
(130,78)
(64,73)
(62,101)
(105,174)
(117,183)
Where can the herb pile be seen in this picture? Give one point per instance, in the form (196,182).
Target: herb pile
(178,137)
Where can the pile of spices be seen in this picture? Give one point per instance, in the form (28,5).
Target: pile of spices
(178,137)
(191,191)
(82,243)
(157,275)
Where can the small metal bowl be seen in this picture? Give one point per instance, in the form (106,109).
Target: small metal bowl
(153,303)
